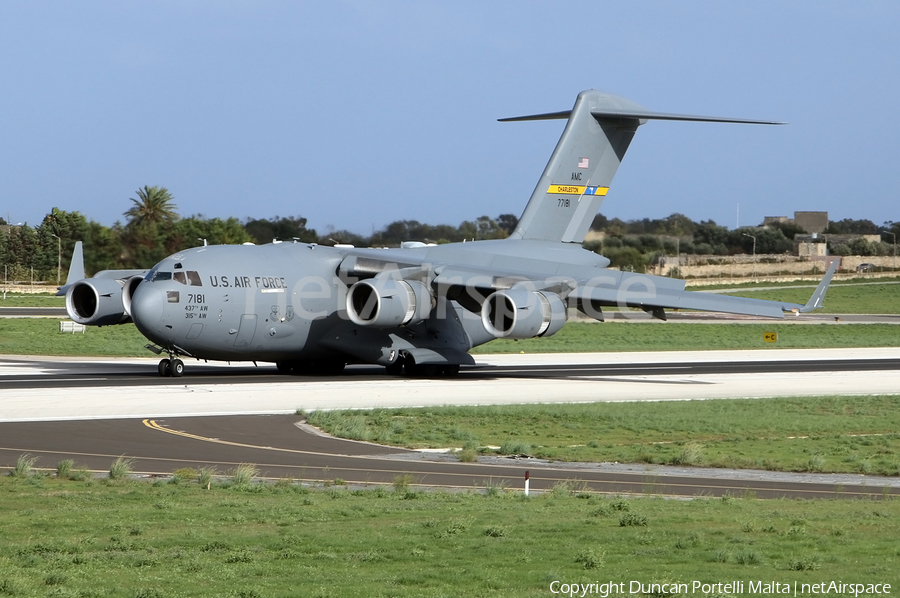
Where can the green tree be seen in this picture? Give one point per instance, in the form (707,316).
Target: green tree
(152,206)
(284,229)
(150,223)
(191,232)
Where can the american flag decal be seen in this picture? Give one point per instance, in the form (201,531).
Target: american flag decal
(584,163)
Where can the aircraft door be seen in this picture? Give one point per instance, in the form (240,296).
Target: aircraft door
(246,331)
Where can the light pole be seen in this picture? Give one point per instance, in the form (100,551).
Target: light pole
(754,252)
(58,256)
(893,259)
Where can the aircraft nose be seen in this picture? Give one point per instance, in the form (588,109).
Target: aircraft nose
(147,308)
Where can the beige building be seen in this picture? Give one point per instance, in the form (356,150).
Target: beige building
(811,222)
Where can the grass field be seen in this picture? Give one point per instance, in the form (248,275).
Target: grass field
(140,540)
(824,434)
(31,300)
(878,297)
(577,337)
(40,336)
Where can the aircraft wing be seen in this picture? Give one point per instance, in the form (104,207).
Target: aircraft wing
(640,292)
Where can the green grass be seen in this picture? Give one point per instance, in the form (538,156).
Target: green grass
(821,434)
(576,337)
(846,298)
(811,284)
(64,538)
(41,336)
(31,300)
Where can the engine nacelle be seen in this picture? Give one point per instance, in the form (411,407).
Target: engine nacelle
(128,292)
(96,302)
(383,302)
(522,313)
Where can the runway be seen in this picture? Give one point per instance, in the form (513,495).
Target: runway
(71,388)
(96,410)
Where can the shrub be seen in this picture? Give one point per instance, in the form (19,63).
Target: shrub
(64,469)
(515,447)
(24,466)
(401,483)
(747,558)
(632,520)
(205,476)
(563,489)
(691,454)
(804,564)
(493,488)
(120,468)
(815,463)
(184,474)
(243,474)
(467,455)
(590,558)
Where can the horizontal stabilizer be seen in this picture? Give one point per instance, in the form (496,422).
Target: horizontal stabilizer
(577,178)
(643,115)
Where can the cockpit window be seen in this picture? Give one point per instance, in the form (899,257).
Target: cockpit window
(159,276)
(190,278)
(151,273)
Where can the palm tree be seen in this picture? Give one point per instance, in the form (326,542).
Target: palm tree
(154,205)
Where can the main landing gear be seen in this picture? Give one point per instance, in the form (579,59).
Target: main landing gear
(407,365)
(173,367)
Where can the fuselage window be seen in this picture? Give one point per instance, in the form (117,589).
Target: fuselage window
(194,278)
(173,296)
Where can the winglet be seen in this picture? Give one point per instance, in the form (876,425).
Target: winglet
(76,269)
(815,302)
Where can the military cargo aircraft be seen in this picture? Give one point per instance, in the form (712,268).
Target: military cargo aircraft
(416,309)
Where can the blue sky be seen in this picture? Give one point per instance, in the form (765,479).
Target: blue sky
(355,114)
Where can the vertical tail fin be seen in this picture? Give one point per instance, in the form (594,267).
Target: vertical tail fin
(581,168)
(76,269)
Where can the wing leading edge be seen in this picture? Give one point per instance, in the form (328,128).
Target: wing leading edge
(640,291)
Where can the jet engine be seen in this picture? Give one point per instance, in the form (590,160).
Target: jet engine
(128,292)
(96,302)
(520,313)
(382,302)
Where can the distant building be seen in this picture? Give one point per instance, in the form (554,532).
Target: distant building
(811,222)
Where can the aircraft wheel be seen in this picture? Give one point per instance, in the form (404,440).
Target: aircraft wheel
(419,370)
(394,369)
(330,368)
(284,367)
(450,371)
(176,368)
(164,368)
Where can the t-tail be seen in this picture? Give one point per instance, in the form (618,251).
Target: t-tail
(580,171)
